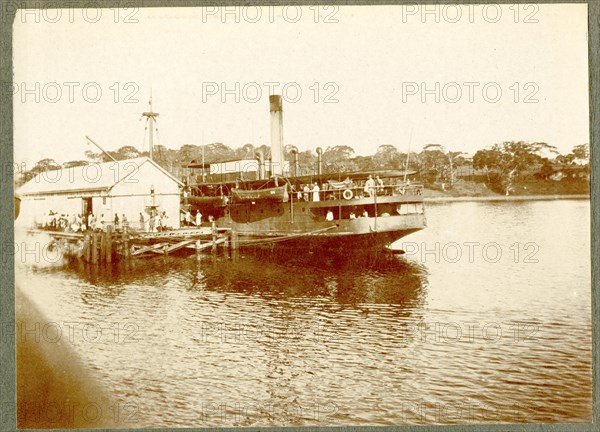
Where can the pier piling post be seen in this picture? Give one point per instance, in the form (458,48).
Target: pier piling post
(109,244)
(234,240)
(94,248)
(90,245)
(198,248)
(102,255)
(125,243)
(86,247)
(214,236)
(234,244)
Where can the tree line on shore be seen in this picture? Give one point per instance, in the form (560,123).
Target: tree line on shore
(503,164)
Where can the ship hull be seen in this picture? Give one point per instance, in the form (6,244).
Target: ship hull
(345,225)
(305,232)
(346,243)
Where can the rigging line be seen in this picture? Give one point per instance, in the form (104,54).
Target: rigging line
(144,138)
(285,237)
(160,153)
(263,185)
(268,241)
(259,241)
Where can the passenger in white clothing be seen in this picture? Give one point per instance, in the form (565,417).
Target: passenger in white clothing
(315,191)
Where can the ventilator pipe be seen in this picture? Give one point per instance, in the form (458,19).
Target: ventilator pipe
(319,160)
(260,157)
(294,152)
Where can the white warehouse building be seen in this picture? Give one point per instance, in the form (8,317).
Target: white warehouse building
(127,187)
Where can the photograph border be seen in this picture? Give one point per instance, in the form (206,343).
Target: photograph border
(7,275)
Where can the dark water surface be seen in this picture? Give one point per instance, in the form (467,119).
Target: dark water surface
(451,332)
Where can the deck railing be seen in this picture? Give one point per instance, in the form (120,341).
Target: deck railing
(358,192)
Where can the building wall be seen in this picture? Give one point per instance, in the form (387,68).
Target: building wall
(132,195)
(32,211)
(129,197)
(35,208)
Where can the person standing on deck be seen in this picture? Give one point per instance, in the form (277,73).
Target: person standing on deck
(74,224)
(198,218)
(151,222)
(370,186)
(158,222)
(188,218)
(380,186)
(142,222)
(315,191)
(163,220)
(99,225)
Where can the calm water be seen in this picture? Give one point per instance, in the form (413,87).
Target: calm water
(487,318)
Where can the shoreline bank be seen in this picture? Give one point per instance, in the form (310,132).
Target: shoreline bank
(440,199)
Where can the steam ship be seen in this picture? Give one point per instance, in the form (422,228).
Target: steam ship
(271,203)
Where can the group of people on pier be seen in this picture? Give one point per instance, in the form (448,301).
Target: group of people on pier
(154,222)
(187,219)
(76,222)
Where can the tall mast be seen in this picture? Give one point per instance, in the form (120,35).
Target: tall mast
(150,121)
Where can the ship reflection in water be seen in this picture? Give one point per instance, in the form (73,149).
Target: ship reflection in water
(380,279)
(308,340)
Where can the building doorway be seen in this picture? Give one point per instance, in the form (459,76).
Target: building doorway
(86,207)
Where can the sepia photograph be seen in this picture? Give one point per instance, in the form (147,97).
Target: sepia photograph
(266,216)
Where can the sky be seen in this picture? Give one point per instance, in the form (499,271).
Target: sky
(361,76)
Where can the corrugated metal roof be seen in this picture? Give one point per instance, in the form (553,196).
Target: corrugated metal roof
(92,177)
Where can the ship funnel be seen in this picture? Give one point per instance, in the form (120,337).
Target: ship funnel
(277,153)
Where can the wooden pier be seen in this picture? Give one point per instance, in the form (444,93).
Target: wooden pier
(98,247)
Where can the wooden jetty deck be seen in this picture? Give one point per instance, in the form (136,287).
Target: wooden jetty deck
(104,246)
